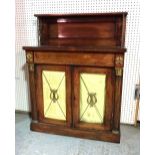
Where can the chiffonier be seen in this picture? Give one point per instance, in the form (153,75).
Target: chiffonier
(75,75)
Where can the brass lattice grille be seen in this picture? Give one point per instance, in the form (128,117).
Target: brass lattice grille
(54,94)
(92,97)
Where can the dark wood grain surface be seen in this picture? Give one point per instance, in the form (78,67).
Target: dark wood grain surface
(75,43)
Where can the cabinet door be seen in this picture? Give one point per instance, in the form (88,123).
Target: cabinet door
(93,98)
(53,94)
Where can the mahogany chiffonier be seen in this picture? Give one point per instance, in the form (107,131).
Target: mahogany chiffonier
(75,75)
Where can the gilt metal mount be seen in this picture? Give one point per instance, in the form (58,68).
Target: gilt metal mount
(119,71)
(54,95)
(91,100)
(115,132)
(119,60)
(31,67)
(29,57)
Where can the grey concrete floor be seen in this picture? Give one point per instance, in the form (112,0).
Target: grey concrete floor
(35,143)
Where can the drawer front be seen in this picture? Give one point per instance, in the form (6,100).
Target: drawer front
(84,59)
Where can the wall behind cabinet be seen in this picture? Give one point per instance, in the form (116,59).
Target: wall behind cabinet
(26,34)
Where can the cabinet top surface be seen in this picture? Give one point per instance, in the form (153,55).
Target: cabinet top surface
(82,14)
(74,49)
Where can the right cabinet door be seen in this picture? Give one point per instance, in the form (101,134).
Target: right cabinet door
(93,98)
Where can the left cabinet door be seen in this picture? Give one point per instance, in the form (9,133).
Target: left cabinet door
(53,89)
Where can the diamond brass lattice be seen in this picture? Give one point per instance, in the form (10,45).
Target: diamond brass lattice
(53,94)
(92,99)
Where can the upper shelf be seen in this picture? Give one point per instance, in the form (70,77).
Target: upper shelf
(103,29)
